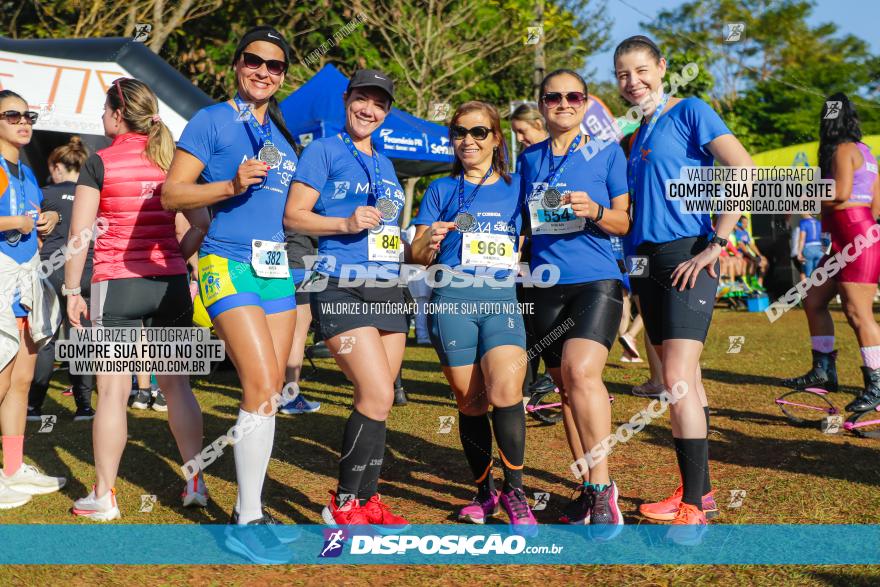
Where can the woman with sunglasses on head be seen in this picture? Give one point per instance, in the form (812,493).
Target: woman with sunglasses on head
(237,157)
(677,294)
(849,218)
(139,277)
(29,311)
(469,224)
(347,193)
(576,197)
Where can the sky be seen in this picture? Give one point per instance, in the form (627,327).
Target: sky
(857,17)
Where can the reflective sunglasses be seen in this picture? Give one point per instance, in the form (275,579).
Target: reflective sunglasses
(14,116)
(478,132)
(273,66)
(574,99)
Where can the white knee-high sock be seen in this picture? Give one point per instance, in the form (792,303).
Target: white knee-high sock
(254,438)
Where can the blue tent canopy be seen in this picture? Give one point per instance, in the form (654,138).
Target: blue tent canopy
(415,146)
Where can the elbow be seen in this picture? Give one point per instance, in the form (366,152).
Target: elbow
(290,222)
(169,197)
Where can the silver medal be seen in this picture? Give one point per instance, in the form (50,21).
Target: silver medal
(464,221)
(378,228)
(13,236)
(552,199)
(387,208)
(269,154)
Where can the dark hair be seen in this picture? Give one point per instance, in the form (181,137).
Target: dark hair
(10,94)
(73,155)
(636,43)
(278,119)
(834,131)
(561,71)
(499,155)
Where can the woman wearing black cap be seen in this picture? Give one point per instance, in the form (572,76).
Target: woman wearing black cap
(238,158)
(347,193)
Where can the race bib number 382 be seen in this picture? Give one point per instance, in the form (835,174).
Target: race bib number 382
(269,259)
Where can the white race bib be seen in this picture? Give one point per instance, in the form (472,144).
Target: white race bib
(481,249)
(562,220)
(385,246)
(269,259)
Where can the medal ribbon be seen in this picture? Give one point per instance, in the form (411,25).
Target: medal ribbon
(375,187)
(264,131)
(635,155)
(463,206)
(555,173)
(16,203)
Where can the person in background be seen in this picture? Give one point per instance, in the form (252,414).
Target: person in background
(809,243)
(528,125)
(755,262)
(793,247)
(64,165)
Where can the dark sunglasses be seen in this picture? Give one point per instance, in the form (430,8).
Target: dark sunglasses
(554,99)
(478,132)
(273,66)
(14,116)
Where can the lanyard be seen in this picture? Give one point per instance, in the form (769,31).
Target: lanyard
(555,173)
(375,186)
(465,206)
(16,203)
(635,155)
(264,131)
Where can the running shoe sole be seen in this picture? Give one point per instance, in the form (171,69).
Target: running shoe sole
(668,517)
(83,418)
(107,516)
(15,504)
(625,344)
(159,408)
(294,411)
(140,406)
(481,521)
(236,546)
(36,489)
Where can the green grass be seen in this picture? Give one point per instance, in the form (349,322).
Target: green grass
(790,474)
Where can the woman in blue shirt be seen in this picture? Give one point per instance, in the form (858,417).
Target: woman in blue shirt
(237,158)
(20,223)
(677,294)
(469,224)
(809,251)
(574,191)
(347,193)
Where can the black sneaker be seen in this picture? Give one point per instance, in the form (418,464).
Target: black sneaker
(159,403)
(578,509)
(84,414)
(606,521)
(34,415)
(257,542)
(870,397)
(399,397)
(142,399)
(319,350)
(286,534)
(822,375)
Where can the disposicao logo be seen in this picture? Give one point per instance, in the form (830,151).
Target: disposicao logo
(334,540)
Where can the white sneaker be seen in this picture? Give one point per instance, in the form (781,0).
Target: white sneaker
(102,509)
(195,493)
(10,498)
(28,479)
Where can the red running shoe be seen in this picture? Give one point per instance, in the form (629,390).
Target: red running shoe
(349,514)
(380,515)
(665,510)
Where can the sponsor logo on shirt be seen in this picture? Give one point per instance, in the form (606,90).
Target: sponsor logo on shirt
(340,188)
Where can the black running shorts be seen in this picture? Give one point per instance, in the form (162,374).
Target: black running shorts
(163,301)
(340,309)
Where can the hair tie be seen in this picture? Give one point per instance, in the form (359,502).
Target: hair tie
(156,118)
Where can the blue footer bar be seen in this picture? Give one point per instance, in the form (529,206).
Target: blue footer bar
(440,544)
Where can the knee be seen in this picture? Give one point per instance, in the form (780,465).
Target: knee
(581,378)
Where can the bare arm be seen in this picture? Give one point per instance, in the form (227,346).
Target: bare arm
(842,170)
(22,223)
(615,220)
(85,210)
(191,227)
(875,202)
(299,217)
(181,192)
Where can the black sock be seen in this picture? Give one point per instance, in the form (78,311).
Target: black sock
(509,425)
(693,462)
(476,440)
(357,449)
(707,483)
(370,481)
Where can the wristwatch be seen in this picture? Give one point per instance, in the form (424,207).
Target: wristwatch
(70,292)
(714,239)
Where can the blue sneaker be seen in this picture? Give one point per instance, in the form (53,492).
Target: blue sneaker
(299,405)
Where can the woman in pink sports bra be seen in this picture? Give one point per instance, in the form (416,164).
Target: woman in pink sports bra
(850,219)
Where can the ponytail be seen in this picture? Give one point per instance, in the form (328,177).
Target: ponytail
(140,110)
(72,156)
(160,145)
(277,118)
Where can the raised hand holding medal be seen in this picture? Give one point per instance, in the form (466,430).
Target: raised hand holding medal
(268,153)
(465,221)
(387,208)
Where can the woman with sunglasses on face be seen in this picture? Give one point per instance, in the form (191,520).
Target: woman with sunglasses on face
(469,223)
(347,193)
(237,157)
(677,296)
(29,311)
(139,277)
(575,190)
(850,220)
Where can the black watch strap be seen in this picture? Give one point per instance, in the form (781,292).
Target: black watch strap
(717,240)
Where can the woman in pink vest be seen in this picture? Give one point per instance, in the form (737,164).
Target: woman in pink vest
(140,277)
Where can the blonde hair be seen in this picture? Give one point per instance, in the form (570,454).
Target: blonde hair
(528,113)
(140,111)
(73,155)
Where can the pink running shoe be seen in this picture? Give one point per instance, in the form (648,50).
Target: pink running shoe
(516,504)
(479,509)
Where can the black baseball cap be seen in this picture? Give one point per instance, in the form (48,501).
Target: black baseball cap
(371,78)
(262,33)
